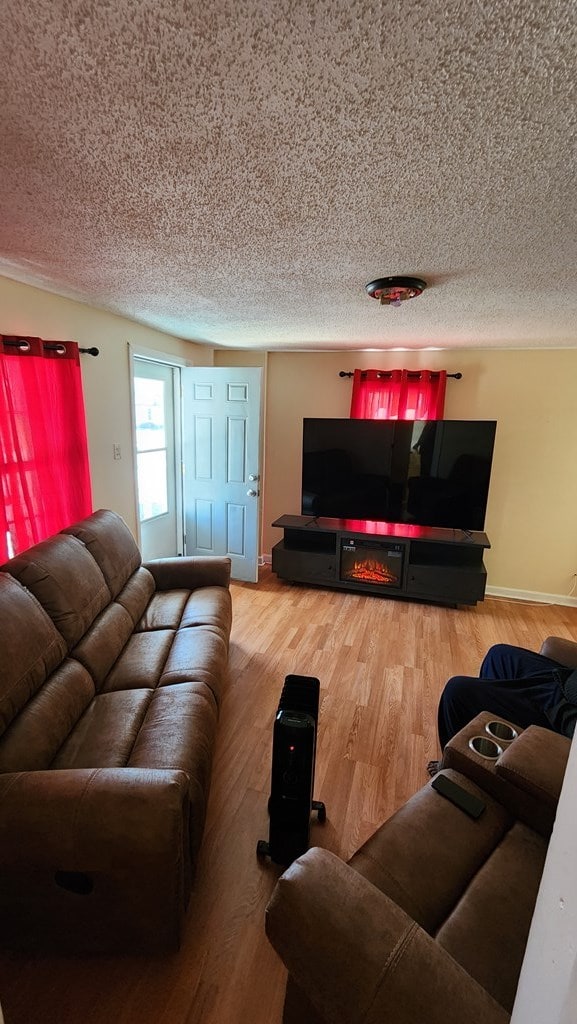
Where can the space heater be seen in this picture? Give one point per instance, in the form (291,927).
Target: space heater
(293,771)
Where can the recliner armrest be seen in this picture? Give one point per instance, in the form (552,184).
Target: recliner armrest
(561,650)
(358,957)
(526,777)
(535,763)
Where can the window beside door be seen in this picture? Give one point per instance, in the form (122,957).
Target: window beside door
(151,447)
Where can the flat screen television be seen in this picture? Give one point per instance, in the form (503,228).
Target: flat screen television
(424,472)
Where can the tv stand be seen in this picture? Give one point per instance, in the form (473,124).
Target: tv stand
(389,559)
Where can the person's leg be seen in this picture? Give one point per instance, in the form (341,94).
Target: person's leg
(517,700)
(504,661)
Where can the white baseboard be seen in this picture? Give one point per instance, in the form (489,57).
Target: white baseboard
(531,595)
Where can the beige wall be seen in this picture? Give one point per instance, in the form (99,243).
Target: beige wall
(533,498)
(106,377)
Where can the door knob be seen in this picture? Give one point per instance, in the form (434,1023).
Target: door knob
(252,494)
(254,476)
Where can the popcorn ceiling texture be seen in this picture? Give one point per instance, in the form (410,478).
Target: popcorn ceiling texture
(236,172)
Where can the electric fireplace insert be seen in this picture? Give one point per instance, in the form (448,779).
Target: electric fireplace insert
(376,562)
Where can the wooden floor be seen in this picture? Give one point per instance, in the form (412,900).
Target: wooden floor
(382,665)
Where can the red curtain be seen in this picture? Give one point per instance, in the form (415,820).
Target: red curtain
(44,470)
(398,394)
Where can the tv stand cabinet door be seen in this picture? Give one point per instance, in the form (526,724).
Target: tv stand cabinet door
(451,584)
(304,566)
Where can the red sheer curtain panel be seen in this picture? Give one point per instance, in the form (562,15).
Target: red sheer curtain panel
(45,475)
(398,394)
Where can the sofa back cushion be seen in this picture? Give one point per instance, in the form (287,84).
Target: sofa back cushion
(111,545)
(30,649)
(137,593)
(487,930)
(65,579)
(104,642)
(35,736)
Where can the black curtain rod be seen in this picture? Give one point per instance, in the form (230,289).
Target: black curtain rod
(23,344)
(412,373)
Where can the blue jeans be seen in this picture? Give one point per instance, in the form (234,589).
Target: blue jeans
(513,683)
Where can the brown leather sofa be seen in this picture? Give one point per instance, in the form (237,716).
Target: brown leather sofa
(111,674)
(428,922)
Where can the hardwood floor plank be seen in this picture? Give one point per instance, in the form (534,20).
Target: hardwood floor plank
(382,665)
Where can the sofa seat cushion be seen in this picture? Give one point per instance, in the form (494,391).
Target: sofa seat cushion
(177,609)
(426,854)
(141,663)
(199,655)
(163,657)
(495,913)
(209,606)
(178,731)
(106,733)
(164,610)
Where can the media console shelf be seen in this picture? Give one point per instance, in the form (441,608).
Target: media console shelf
(389,559)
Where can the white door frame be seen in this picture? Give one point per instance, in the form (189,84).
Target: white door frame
(152,355)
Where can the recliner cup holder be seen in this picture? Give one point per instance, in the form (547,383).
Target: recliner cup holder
(501,731)
(485,747)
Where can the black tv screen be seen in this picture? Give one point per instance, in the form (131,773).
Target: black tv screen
(425,472)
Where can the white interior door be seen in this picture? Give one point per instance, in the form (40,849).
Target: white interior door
(221,456)
(158,483)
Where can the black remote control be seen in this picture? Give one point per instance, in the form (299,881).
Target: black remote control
(468,803)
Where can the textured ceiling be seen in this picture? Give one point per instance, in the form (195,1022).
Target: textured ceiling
(236,172)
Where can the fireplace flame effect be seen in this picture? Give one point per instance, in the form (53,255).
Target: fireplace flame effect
(371,571)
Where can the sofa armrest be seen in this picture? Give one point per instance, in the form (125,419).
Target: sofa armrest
(190,573)
(74,819)
(80,849)
(561,650)
(358,957)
